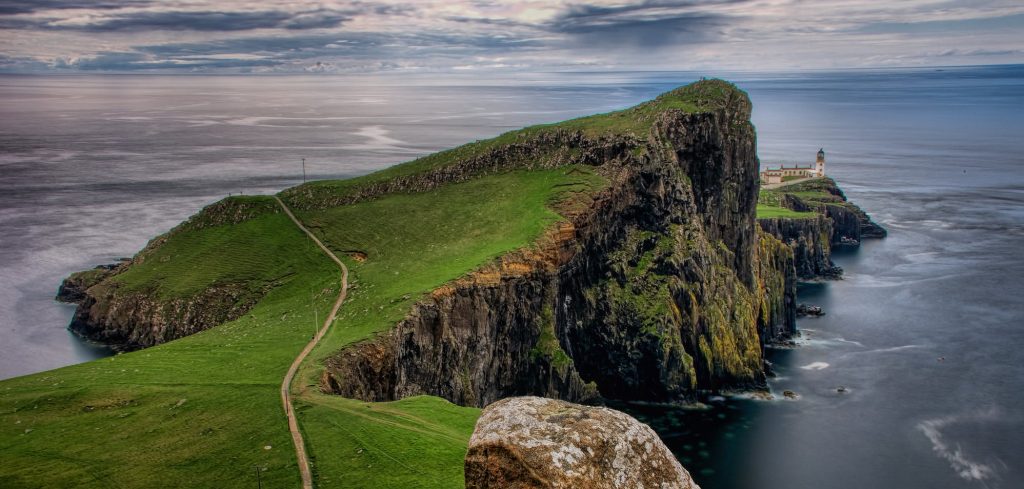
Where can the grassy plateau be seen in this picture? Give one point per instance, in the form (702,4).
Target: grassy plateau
(205,411)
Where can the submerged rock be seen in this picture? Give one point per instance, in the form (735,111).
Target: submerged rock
(808,310)
(526,442)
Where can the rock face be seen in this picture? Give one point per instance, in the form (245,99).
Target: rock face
(839,223)
(73,289)
(811,242)
(132,319)
(530,442)
(651,293)
(777,281)
(850,224)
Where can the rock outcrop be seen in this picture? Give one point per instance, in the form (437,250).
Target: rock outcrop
(650,293)
(530,442)
(127,318)
(132,320)
(777,279)
(811,242)
(839,222)
(663,287)
(850,224)
(73,289)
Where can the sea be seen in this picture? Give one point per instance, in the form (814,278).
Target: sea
(924,334)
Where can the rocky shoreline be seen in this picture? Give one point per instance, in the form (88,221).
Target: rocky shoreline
(667,286)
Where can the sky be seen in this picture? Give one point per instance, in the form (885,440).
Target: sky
(298,36)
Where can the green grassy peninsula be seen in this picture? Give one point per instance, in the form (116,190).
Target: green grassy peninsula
(212,313)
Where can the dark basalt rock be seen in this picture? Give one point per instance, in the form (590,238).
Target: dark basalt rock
(803,310)
(811,242)
(655,292)
(129,320)
(73,289)
(840,223)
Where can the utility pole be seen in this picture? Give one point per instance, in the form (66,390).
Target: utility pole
(259,482)
(303,170)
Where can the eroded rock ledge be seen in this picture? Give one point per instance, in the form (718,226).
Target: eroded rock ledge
(839,222)
(128,319)
(530,442)
(655,292)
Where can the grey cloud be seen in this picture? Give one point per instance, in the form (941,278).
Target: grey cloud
(1015,22)
(132,61)
(648,24)
(980,52)
(212,21)
(674,31)
(316,20)
(584,18)
(10,7)
(347,44)
(488,21)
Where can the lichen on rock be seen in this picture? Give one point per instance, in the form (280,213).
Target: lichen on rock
(532,442)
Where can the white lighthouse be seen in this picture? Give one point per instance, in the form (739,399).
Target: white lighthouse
(819,165)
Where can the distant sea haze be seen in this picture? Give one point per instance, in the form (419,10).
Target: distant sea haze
(924,333)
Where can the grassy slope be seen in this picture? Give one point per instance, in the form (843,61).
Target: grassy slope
(121,421)
(770,203)
(198,412)
(171,271)
(812,192)
(705,96)
(771,211)
(135,433)
(415,243)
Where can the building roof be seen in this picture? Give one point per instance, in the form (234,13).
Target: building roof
(810,167)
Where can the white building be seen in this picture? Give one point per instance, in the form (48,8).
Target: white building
(778,175)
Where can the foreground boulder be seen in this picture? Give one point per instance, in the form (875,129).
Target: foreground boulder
(528,442)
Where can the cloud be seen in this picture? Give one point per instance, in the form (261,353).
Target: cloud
(242,35)
(210,21)
(9,7)
(133,61)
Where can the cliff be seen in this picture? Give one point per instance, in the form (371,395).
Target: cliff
(811,242)
(135,304)
(655,286)
(821,218)
(650,292)
(610,256)
(777,279)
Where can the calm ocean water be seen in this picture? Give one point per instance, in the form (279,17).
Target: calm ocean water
(925,332)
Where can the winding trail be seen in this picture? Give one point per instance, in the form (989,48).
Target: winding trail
(286,396)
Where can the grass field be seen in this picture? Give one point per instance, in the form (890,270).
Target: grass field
(636,121)
(772,203)
(204,411)
(771,211)
(171,271)
(414,243)
(195,412)
(199,411)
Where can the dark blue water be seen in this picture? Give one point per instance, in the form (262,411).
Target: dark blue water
(925,332)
